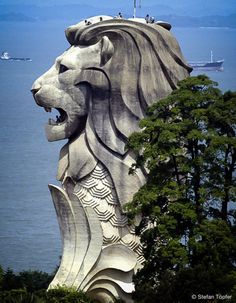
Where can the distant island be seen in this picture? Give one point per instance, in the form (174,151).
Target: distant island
(204,21)
(177,18)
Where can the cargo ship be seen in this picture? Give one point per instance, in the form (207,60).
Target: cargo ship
(208,65)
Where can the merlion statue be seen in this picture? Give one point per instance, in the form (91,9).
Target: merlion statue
(101,87)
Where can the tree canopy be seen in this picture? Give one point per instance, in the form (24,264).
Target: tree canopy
(31,287)
(188,148)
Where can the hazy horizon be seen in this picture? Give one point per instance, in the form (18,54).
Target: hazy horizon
(205,5)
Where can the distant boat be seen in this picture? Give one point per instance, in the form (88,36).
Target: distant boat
(7,57)
(208,65)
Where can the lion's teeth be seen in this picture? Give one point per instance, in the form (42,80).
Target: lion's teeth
(48,109)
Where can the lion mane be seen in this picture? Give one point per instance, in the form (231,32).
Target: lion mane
(141,64)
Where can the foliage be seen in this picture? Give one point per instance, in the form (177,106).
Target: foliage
(10,280)
(1,276)
(30,287)
(29,280)
(188,147)
(34,280)
(17,296)
(118,300)
(66,295)
(57,295)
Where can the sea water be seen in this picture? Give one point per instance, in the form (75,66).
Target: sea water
(29,232)
(197,44)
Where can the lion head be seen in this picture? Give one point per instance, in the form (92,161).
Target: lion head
(101,87)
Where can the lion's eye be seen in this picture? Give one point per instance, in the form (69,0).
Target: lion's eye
(62,68)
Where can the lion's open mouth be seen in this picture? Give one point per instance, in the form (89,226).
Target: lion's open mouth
(60,119)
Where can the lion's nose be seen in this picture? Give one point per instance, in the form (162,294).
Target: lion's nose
(35,87)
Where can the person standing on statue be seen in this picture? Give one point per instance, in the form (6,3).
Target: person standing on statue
(147,18)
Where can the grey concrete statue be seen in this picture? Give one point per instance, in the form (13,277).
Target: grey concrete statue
(101,86)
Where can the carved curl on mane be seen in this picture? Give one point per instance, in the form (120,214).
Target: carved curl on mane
(145,66)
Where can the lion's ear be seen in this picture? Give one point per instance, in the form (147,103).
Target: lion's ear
(107,50)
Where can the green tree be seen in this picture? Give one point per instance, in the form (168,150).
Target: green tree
(188,147)
(31,287)
(66,295)
(1,277)
(18,296)
(10,280)
(34,280)
(29,280)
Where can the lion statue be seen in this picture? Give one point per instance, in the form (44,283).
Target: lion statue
(101,86)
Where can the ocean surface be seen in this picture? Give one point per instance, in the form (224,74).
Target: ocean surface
(29,232)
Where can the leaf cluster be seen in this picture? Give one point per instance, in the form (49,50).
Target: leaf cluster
(187,145)
(29,280)
(31,287)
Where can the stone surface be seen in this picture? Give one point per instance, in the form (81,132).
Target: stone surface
(101,87)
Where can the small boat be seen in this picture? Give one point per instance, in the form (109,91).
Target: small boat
(6,56)
(208,65)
